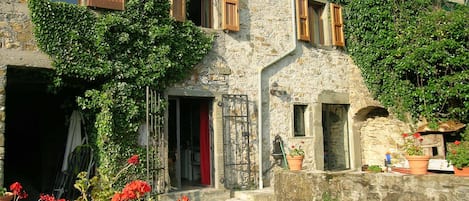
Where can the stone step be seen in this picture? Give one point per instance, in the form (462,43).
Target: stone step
(206,194)
(266,194)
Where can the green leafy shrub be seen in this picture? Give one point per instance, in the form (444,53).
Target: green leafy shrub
(112,56)
(413,55)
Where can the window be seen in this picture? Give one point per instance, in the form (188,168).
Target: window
(299,112)
(202,14)
(106,4)
(312,19)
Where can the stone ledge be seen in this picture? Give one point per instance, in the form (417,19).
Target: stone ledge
(24,58)
(357,186)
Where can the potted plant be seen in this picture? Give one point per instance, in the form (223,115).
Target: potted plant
(295,157)
(418,161)
(458,156)
(16,193)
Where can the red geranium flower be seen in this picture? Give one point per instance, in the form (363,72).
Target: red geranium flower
(18,191)
(416,135)
(404,135)
(133,160)
(457,142)
(184,198)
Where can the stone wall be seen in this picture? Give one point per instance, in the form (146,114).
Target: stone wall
(17,48)
(314,186)
(265,55)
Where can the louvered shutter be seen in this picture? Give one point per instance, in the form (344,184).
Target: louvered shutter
(230,15)
(302,20)
(107,4)
(178,10)
(337,25)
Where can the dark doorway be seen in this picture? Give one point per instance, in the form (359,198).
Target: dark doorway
(336,137)
(35,130)
(189,138)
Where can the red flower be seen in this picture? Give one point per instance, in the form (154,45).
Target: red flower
(133,160)
(18,191)
(135,189)
(16,188)
(117,197)
(416,135)
(457,142)
(46,197)
(405,135)
(184,198)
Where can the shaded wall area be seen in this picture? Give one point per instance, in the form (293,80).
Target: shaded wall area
(358,186)
(36,127)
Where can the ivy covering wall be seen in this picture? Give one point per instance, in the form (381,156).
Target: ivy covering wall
(414,55)
(112,56)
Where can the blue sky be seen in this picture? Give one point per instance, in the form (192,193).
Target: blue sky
(68,1)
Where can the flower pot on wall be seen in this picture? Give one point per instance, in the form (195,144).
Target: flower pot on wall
(418,164)
(7,197)
(461,172)
(295,162)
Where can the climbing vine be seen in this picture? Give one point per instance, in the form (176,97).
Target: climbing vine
(112,56)
(413,55)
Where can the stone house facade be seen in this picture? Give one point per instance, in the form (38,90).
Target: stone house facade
(275,71)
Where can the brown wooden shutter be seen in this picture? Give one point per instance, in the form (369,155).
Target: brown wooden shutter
(337,25)
(107,4)
(230,15)
(302,20)
(178,10)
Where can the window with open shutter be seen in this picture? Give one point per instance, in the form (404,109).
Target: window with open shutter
(178,10)
(106,4)
(302,20)
(230,15)
(337,25)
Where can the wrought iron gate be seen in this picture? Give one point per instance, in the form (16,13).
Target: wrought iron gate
(156,144)
(236,134)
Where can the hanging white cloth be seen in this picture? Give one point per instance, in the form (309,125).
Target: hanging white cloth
(143,134)
(74,137)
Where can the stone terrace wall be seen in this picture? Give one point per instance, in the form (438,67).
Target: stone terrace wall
(358,186)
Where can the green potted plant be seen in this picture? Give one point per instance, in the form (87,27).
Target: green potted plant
(295,157)
(418,161)
(374,169)
(16,192)
(458,156)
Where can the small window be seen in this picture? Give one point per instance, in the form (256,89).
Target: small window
(311,20)
(299,112)
(201,13)
(316,26)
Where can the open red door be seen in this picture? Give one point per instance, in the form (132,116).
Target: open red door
(204,145)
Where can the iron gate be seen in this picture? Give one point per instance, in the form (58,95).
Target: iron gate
(236,134)
(156,144)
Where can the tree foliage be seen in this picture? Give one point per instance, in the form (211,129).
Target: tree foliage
(112,56)
(414,55)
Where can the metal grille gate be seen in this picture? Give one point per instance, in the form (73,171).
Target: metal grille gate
(156,144)
(236,143)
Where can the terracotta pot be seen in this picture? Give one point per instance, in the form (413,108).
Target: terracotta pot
(464,172)
(7,197)
(295,162)
(418,164)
